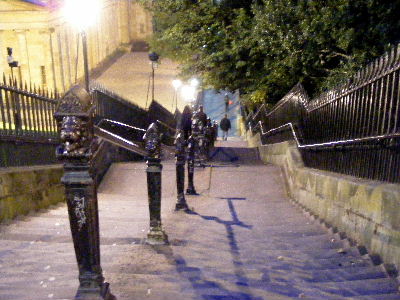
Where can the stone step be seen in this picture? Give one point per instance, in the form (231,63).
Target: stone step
(292,264)
(306,277)
(345,274)
(279,245)
(331,290)
(322,241)
(388,296)
(231,143)
(357,287)
(240,155)
(307,253)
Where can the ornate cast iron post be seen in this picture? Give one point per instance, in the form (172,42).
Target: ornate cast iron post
(180,172)
(198,135)
(190,164)
(156,235)
(74,118)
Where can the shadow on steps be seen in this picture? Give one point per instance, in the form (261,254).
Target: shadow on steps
(243,155)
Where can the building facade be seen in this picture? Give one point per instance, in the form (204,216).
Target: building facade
(49,50)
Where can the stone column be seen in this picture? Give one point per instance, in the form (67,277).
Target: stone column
(74,118)
(180,172)
(156,235)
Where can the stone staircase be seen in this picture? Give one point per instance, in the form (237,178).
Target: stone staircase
(310,262)
(242,240)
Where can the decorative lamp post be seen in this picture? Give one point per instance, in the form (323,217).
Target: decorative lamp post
(154,60)
(82,14)
(176,83)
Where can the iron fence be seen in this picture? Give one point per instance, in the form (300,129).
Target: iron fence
(28,131)
(110,105)
(157,112)
(351,129)
(26,111)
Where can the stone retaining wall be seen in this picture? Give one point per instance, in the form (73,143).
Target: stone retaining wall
(24,189)
(366,211)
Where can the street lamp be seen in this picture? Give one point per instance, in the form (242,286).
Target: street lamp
(188,93)
(194,82)
(176,83)
(154,60)
(82,14)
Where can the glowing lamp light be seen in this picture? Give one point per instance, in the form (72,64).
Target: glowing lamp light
(194,82)
(81,14)
(188,93)
(176,83)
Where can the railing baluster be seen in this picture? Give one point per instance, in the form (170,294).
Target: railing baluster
(34,110)
(386,104)
(24,118)
(48,118)
(2,110)
(381,106)
(8,112)
(41,117)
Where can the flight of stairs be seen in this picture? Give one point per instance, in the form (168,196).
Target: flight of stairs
(301,257)
(317,263)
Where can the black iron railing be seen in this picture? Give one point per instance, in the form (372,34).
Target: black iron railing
(26,111)
(110,105)
(352,129)
(28,131)
(81,140)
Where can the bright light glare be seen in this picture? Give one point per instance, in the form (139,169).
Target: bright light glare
(176,83)
(188,93)
(194,82)
(81,14)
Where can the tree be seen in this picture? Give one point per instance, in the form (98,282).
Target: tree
(265,47)
(322,42)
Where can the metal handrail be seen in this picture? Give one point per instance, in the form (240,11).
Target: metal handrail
(165,125)
(119,141)
(328,144)
(122,124)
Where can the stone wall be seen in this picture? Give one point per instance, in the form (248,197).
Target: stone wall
(29,188)
(366,211)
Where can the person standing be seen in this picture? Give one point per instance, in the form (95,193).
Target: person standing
(225,125)
(201,116)
(186,122)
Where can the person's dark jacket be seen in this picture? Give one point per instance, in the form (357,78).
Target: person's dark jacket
(202,117)
(186,123)
(225,124)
